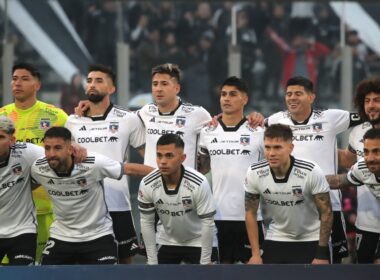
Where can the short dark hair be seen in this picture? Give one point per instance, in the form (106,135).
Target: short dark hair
(236,82)
(29,67)
(58,132)
(279,131)
(301,81)
(364,87)
(104,69)
(171,138)
(373,134)
(168,68)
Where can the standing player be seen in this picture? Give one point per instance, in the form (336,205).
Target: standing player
(32,117)
(295,202)
(232,147)
(365,173)
(367,101)
(18,230)
(110,130)
(82,230)
(182,198)
(315,139)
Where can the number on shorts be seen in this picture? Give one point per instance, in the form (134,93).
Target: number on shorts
(50,244)
(359,238)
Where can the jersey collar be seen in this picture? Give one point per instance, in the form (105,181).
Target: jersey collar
(304,122)
(172,112)
(231,128)
(175,191)
(101,118)
(283,180)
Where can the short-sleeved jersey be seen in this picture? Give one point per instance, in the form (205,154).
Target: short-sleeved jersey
(31,125)
(368,211)
(232,150)
(110,135)
(180,210)
(360,175)
(80,210)
(287,204)
(315,139)
(17,212)
(187,121)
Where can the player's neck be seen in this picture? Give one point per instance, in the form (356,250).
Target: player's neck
(281,171)
(65,169)
(232,119)
(302,116)
(172,180)
(167,108)
(98,109)
(25,104)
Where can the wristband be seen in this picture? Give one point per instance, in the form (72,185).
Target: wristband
(322,253)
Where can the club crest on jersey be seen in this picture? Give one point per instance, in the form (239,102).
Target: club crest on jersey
(44,123)
(81,181)
(245,140)
(297,191)
(17,169)
(187,203)
(317,127)
(180,122)
(114,127)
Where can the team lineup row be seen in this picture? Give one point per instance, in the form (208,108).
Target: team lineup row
(297,215)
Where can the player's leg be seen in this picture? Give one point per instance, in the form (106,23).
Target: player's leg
(366,243)
(23,249)
(58,252)
(192,255)
(102,250)
(244,252)
(44,222)
(125,235)
(226,241)
(377,254)
(169,254)
(339,238)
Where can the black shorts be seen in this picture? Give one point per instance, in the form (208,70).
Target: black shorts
(178,254)
(377,253)
(125,234)
(339,238)
(366,244)
(21,249)
(102,250)
(280,252)
(233,242)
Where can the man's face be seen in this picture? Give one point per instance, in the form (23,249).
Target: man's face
(298,100)
(6,141)
(372,155)
(58,153)
(164,89)
(169,159)
(372,107)
(277,151)
(232,100)
(98,86)
(24,85)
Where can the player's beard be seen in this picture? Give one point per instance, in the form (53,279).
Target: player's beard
(95,96)
(375,121)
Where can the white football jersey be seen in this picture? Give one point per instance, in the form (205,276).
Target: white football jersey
(80,209)
(232,150)
(110,135)
(368,211)
(17,212)
(180,210)
(187,121)
(360,175)
(287,204)
(315,139)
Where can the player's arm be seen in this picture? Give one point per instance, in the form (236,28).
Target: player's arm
(82,107)
(206,240)
(203,162)
(346,158)
(141,151)
(251,206)
(323,203)
(338,181)
(136,169)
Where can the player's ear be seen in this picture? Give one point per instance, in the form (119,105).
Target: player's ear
(183,157)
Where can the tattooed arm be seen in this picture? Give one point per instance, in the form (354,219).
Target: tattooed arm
(322,201)
(338,181)
(203,163)
(251,207)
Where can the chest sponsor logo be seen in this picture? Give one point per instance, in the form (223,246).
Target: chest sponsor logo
(155,131)
(11,184)
(229,152)
(307,138)
(97,139)
(67,193)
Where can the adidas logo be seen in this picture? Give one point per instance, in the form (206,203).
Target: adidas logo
(51,182)
(342,249)
(159,201)
(83,128)
(214,140)
(267,191)
(152,119)
(134,246)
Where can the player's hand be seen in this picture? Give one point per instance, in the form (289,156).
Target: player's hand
(79,153)
(214,121)
(320,261)
(82,107)
(255,119)
(255,260)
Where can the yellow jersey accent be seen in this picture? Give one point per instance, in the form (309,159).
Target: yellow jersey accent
(31,125)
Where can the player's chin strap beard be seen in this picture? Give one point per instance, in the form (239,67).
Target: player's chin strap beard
(95,98)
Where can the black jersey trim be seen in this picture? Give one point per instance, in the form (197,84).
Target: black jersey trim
(19,145)
(121,108)
(233,128)
(172,112)
(193,178)
(101,118)
(356,180)
(362,165)
(303,167)
(151,177)
(208,215)
(283,180)
(146,206)
(41,161)
(259,164)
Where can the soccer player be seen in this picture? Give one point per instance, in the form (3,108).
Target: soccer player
(182,198)
(82,230)
(367,101)
(295,203)
(110,130)
(18,230)
(228,150)
(365,173)
(32,117)
(315,139)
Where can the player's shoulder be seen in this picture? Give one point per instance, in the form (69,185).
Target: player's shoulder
(151,177)
(150,108)
(360,128)
(329,113)
(120,112)
(7,109)
(304,164)
(193,176)
(50,108)
(262,164)
(277,117)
